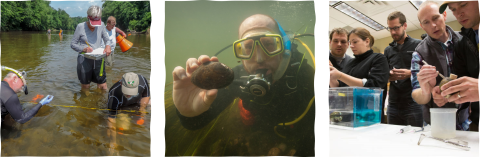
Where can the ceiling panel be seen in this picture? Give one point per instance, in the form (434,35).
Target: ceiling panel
(370,9)
(380,34)
(410,13)
(397,3)
(358,24)
(334,13)
(333,23)
(382,17)
(379,13)
(411,26)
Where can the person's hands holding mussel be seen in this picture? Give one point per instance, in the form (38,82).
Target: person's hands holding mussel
(464,89)
(427,78)
(195,88)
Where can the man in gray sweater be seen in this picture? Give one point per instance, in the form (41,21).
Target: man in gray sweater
(88,36)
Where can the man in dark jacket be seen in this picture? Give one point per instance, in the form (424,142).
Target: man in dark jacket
(338,48)
(339,45)
(437,51)
(465,61)
(402,110)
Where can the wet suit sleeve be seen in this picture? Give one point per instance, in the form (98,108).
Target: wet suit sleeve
(113,103)
(146,91)
(76,43)
(14,107)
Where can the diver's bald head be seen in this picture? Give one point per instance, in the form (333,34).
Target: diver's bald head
(258,21)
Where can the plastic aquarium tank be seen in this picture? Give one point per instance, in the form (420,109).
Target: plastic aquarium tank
(355,107)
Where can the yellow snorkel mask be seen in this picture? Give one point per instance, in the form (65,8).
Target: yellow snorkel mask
(22,75)
(271,44)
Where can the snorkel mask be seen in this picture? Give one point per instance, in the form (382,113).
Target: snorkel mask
(22,75)
(272,44)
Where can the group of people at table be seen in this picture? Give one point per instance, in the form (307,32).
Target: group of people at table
(414,67)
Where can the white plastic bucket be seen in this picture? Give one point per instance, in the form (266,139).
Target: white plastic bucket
(443,122)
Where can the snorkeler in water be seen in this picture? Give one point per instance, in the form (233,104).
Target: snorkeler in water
(12,84)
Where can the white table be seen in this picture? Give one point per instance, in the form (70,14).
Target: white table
(383,140)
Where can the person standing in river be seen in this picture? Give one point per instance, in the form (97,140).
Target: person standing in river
(87,37)
(112,32)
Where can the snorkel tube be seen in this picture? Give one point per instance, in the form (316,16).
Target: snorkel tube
(21,75)
(286,54)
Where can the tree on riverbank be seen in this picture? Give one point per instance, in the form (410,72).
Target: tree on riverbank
(34,16)
(40,16)
(134,15)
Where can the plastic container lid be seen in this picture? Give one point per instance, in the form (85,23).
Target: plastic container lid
(443,110)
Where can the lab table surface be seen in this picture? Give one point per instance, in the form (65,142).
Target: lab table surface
(385,140)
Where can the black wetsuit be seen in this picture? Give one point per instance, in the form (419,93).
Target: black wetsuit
(286,101)
(11,105)
(116,99)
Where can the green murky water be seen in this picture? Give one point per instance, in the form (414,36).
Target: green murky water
(203,28)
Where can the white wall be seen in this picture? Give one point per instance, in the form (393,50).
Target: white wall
(349,52)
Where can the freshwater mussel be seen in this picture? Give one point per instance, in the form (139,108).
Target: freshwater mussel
(446,80)
(212,75)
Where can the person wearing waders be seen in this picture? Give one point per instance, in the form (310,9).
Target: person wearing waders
(87,37)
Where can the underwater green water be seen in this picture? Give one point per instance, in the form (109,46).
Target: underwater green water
(203,28)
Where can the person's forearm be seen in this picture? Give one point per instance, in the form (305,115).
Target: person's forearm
(421,97)
(143,105)
(334,83)
(119,30)
(351,81)
(77,46)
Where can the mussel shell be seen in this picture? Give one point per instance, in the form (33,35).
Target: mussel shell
(444,81)
(212,75)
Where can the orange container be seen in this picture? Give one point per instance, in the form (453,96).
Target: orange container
(125,45)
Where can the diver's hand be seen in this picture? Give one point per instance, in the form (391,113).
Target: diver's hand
(46,100)
(189,99)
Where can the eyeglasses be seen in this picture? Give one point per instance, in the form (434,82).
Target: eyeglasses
(394,28)
(111,24)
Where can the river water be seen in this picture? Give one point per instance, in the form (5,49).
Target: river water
(75,122)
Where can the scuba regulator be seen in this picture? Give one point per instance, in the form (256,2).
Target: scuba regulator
(258,84)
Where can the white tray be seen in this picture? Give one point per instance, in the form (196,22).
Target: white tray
(96,54)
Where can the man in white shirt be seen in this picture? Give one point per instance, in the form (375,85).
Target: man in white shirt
(112,33)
